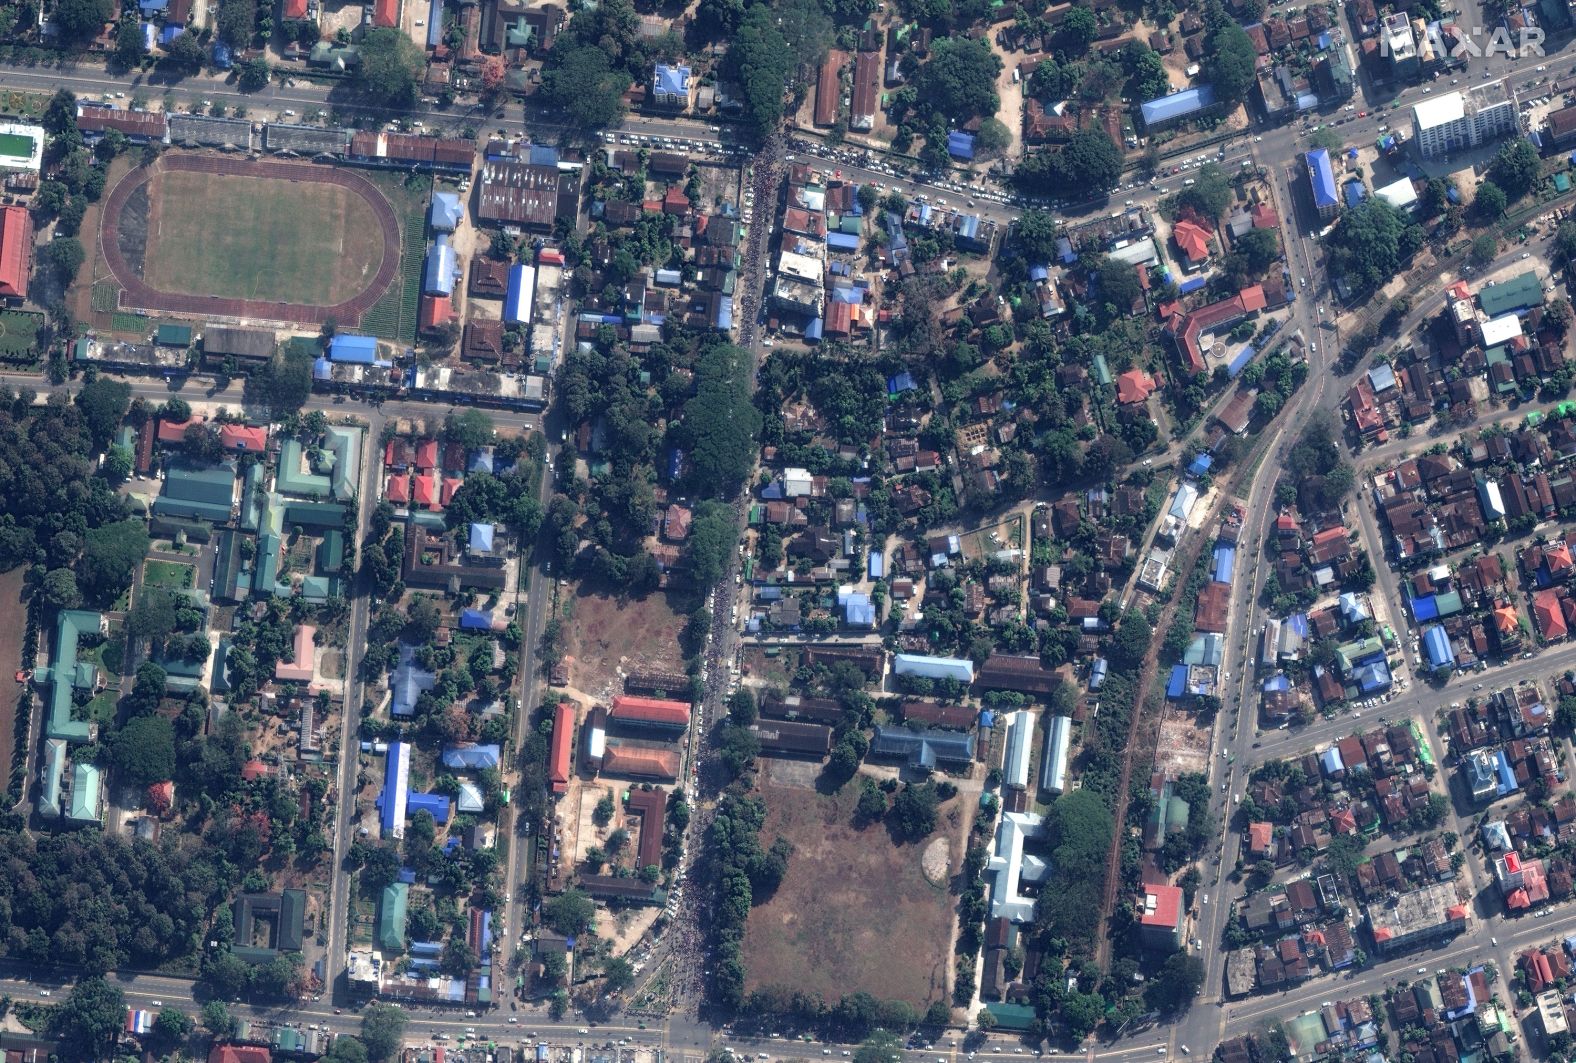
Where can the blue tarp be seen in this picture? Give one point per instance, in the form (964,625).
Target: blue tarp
(1192,284)
(1322,178)
(1176,686)
(1437,645)
(357,350)
(1200,464)
(1225,562)
(842,241)
(1177,105)
(1276,683)
(475,620)
(960,145)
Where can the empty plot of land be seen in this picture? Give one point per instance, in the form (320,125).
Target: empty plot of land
(10,659)
(854,911)
(608,638)
(305,242)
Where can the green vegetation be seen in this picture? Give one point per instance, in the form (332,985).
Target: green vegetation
(172,574)
(19,333)
(1080,830)
(1371,242)
(382,1029)
(959,80)
(1088,164)
(391,64)
(713,535)
(745,872)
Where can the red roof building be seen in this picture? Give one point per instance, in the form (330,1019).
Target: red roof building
(243,438)
(427,455)
(425,491)
(1260,837)
(1192,240)
(16,251)
(175,431)
(563,743)
(649,712)
(829,88)
(1135,385)
(385,14)
(436,311)
(398,489)
(451,484)
(295,9)
(1548,615)
(1160,916)
(641,763)
(1186,329)
(652,807)
(239,1054)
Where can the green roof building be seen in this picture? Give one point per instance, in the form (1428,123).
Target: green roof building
(313,515)
(87,794)
(331,552)
(316,588)
(253,497)
(391,917)
(200,492)
(1011,1016)
(294,478)
(173,336)
(67,673)
(265,565)
(54,775)
(1518,293)
(341,457)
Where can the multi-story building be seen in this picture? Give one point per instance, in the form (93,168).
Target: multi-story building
(1468,119)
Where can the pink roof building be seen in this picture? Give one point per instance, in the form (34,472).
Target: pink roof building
(300,669)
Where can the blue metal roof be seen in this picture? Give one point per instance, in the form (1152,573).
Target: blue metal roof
(1372,678)
(1354,192)
(1192,284)
(1437,644)
(842,241)
(1177,105)
(1276,683)
(358,350)
(1177,684)
(1039,273)
(1331,761)
(900,382)
(475,620)
(169,33)
(960,145)
(1240,361)
(543,155)
(435,24)
(1225,562)
(481,537)
(1322,177)
(1425,608)
(877,565)
(436,804)
(725,313)
(438,276)
(671,80)
(446,211)
(322,369)
(517,298)
(1200,465)
(479,756)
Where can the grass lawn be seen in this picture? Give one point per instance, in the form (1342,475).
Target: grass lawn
(260,238)
(19,331)
(854,912)
(172,574)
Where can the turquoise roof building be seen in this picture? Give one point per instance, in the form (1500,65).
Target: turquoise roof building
(197,492)
(66,673)
(87,794)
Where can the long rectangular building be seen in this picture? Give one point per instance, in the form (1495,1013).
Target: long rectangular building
(659,713)
(1020,747)
(1053,772)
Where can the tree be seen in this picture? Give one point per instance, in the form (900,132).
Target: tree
(1490,201)
(1370,242)
(217,1020)
(1210,194)
(61,114)
(80,20)
(59,589)
(172,1026)
(186,52)
(1484,248)
(1088,164)
(1036,234)
(1081,1013)
(882,1046)
(720,422)
(64,257)
(714,533)
(346,1049)
(583,83)
(390,65)
(1077,30)
(253,74)
(959,81)
(104,402)
(1172,991)
(382,1030)
(760,60)
(89,1019)
(618,974)
(110,555)
(1229,64)
(1515,169)
(144,751)
(1565,240)
(283,383)
(913,812)
(571,913)
(470,428)
(130,46)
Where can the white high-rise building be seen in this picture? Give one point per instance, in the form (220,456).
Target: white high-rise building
(1458,120)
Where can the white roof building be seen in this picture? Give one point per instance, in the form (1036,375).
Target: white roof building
(957,668)
(1401,195)
(1501,329)
(1020,748)
(1013,869)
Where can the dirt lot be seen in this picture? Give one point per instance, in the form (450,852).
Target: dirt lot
(817,932)
(10,658)
(1184,744)
(610,638)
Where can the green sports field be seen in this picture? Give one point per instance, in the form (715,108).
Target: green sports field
(18,332)
(259,238)
(15,146)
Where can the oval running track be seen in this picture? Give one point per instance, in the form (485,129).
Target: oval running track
(139,295)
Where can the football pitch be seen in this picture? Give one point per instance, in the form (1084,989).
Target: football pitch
(262,238)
